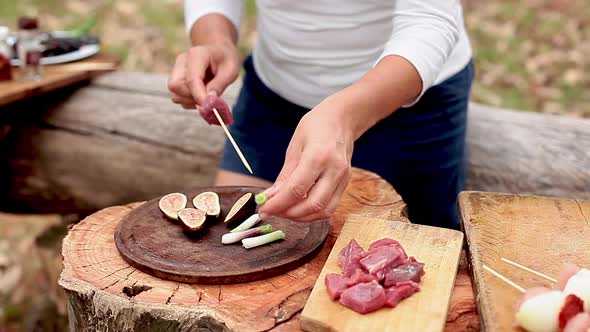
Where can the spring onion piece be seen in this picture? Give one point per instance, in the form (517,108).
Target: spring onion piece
(260,198)
(252,242)
(247,224)
(229,238)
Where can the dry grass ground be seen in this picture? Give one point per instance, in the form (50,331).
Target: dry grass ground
(530,55)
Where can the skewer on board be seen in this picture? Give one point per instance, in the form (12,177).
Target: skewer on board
(522,267)
(503,278)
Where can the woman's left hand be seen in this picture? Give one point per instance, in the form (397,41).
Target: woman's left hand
(316,169)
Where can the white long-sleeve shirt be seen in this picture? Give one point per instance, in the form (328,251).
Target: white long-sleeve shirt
(308,50)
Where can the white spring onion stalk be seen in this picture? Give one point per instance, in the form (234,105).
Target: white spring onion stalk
(229,238)
(247,224)
(252,242)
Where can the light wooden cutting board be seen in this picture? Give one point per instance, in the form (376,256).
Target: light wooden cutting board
(539,232)
(439,249)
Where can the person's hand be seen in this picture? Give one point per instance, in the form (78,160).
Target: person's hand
(316,170)
(201,71)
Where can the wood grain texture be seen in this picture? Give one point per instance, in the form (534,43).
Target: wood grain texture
(104,292)
(439,249)
(54,77)
(539,232)
(153,243)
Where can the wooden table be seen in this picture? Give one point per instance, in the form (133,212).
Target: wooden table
(55,77)
(104,292)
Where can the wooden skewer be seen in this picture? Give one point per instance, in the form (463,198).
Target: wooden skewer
(231,139)
(87,66)
(503,278)
(515,264)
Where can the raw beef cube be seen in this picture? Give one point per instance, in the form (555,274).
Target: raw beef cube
(349,258)
(381,259)
(409,271)
(359,276)
(336,284)
(397,293)
(388,242)
(220,105)
(364,298)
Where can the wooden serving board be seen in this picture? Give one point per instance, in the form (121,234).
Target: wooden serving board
(55,77)
(439,249)
(539,232)
(149,241)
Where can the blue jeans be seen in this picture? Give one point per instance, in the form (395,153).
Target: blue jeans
(420,150)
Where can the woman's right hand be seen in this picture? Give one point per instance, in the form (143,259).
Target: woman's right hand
(203,70)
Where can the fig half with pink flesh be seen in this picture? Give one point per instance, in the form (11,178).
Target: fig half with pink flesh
(192,220)
(172,203)
(208,202)
(242,209)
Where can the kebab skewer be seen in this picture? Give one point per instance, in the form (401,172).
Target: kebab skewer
(542,309)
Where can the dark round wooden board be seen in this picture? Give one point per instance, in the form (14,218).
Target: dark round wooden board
(149,241)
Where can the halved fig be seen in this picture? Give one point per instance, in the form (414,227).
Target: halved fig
(242,208)
(208,202)
(192,220)
(172,203)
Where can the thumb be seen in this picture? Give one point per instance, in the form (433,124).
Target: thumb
(225,75)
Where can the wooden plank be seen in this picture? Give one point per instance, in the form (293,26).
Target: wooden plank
(439,249)
(54,77)
(539,232)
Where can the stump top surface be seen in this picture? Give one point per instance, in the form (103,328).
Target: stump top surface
(157,245)
(96,275)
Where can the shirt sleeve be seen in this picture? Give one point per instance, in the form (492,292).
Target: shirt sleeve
(424,33)
(195,9)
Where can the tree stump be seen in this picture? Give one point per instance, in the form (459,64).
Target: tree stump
(105,293)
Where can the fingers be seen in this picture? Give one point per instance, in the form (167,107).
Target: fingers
(197,63)
(182,100)
(324,197)
(226,73)
(176,82)
(293,189)
(331,208)
(291,159)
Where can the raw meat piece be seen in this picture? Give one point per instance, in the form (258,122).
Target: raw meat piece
(349,258)
(336,284)
(206,111)
(388,242)
(397,293)
(409,271)
(364,298)
(359,276)
(381,259)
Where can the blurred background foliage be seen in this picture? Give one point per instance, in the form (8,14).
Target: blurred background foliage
(530,55)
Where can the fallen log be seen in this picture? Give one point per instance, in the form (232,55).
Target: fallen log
(120,140)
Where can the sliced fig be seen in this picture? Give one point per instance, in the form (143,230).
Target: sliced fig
(172,203)
(208,202)
(192,220)
(242,208)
